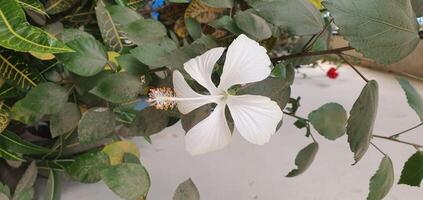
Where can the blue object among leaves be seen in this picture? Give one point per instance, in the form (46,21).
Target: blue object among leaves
(155,5)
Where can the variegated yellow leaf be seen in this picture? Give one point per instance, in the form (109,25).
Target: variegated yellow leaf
(116,151)
(15,71)
(317,4)
(17,34)
(4,116)
(42,56)
(108,28)
(57,6)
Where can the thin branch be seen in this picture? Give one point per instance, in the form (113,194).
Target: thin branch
(317,53)
(399,141)
(354,68)
(313,40)
(405,131)
(377,148)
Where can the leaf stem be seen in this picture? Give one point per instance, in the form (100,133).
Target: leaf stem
(158,69)
(417,146)
(294,116)
(405,131)
(354,68)
(317,53)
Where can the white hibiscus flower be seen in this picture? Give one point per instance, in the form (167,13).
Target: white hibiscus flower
(255,117)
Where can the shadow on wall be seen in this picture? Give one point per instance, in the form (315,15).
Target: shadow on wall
(412,65)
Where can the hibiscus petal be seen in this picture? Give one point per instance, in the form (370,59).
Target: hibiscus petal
(183,90)
(211,134)
(255,117)
(246,62)
(201,68)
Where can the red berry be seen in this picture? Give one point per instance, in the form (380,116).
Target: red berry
(332,73)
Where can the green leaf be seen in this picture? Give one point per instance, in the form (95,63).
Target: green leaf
(13,143)
(227,23)
(17,34)
(127,180)
(89,57)
(15,71)
(151,54)
(149,121)
(53,186)
(299,16)
(253,25)
(95,124)
(367,31)
(26,182)
(219,3)
(123,15)
(304,159)
(46,98)
(361,120)
(194,28)
(33,5)
(382,181)
(412,172)
(86,167)
(58,6)
(330,120)
(132,65)
(65,121)
(186,191)
(418,7)
(118,88)
(415,100)
(108,28)
(145,31)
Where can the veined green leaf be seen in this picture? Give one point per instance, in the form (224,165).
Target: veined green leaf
(108,28)
(17,34)
(414,99)
(53,186)
(57,6)
(89,57)
(367,24)
(4,116)
(33,5)
(361,120)
(186,191)
(382,181)
(13,143)
(16,71)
